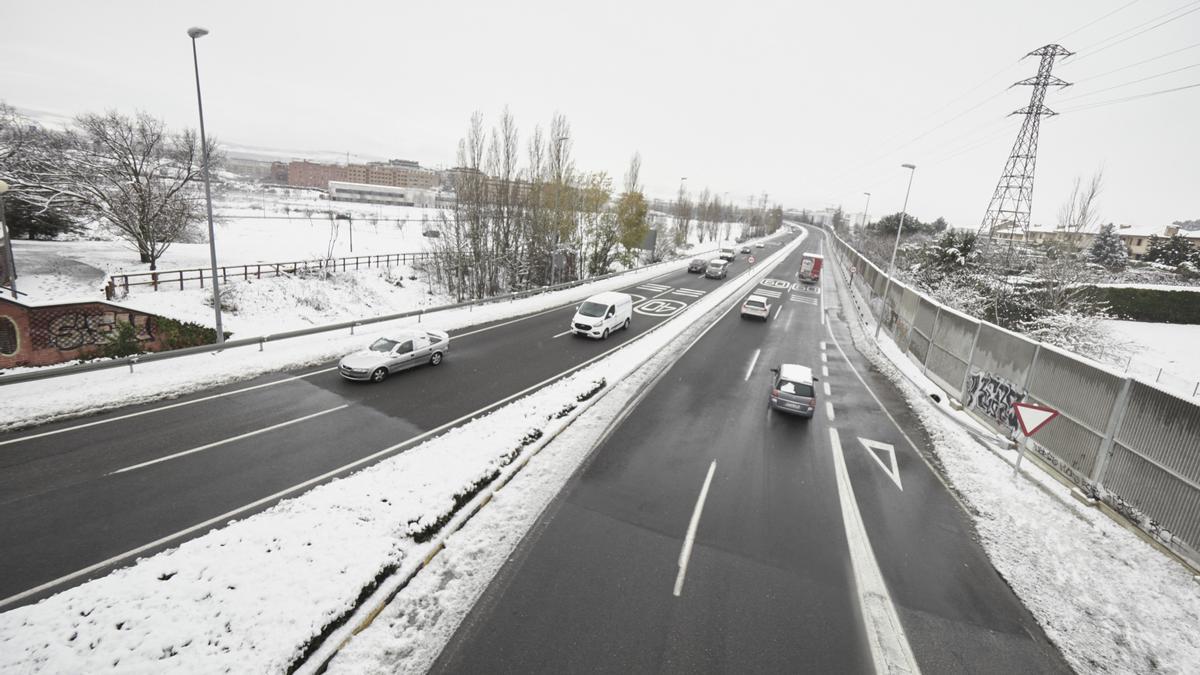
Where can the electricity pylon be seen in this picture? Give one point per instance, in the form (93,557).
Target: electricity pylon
(1013,199)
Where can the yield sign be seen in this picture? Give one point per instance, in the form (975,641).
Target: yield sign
(875,449)
(1033,417)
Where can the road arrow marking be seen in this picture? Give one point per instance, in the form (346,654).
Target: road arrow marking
(874,448)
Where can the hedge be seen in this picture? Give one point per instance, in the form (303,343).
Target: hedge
(1150,304)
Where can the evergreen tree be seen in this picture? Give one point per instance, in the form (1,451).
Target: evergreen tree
(1171,251)
(1108,250)
(33,222)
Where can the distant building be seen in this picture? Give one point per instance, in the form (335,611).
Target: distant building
(1135,237)
(249,168)
(340,191)
(395,173)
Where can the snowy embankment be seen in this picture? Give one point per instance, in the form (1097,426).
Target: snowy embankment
(1167,354)
(250,596)
(1106,598)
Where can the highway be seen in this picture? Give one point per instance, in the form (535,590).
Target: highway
(709,534)
(79,497)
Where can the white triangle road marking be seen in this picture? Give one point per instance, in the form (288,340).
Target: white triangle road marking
(874,448)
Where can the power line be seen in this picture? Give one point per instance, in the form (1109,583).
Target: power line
(1086,52)
(1154,58)
(1101,104)
(1126,84)
(1096,20)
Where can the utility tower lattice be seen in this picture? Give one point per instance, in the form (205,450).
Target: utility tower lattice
(1013,199)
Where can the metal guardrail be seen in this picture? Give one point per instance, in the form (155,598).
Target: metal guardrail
(180,278)
(261,340)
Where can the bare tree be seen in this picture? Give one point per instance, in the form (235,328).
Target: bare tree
(130,173)
(1080,213)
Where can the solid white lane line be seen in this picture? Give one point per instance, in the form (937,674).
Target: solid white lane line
(824,371)
(827,389)
(561,334)
(778,310)
(829,410)
(85,425)
(686,553)
(750,368)
(889,645)
(230,440)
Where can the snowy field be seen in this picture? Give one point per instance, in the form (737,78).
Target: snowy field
(1109,600)
(1166,352)
(220,602)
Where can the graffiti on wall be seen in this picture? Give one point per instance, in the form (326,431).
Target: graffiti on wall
(994,396)
(67,329)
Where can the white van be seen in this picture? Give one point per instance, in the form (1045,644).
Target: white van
(602,314)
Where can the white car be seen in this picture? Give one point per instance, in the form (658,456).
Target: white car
(756,306)
(398,351)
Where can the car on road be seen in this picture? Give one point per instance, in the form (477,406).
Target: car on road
(759,245)
(602,314)
(697,265)
(792,390)
(727,254)
(745,249)
(717,269)
(395,352)
(756,306)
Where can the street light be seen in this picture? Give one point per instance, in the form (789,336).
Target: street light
(866,208)
(194,33)
(887,286)
(6,245)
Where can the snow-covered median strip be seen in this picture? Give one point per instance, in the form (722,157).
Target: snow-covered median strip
(1107,599)
(251,596)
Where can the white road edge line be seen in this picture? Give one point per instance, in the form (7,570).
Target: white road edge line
(829,410)
(228,440)
(685,554)
(889,645)
(750,368)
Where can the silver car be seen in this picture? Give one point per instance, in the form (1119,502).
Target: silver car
(396,352)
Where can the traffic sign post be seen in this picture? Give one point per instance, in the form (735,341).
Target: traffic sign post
(1031,418)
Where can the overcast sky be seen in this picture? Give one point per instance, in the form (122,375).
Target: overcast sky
(812,103)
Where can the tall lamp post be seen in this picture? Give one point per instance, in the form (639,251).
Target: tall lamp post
(6,246)
(866,209)
(887,286)
(558,141)
(194,33)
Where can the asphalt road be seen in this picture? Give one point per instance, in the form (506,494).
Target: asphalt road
(769,585)
(86,493)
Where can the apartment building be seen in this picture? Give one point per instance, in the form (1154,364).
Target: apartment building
(394,173)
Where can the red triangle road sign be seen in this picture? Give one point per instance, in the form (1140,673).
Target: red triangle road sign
(1033,417)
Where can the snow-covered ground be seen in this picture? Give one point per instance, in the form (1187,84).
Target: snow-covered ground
(1105,597)
(1166,353)
(247,597)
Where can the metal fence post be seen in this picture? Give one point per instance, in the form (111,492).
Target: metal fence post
(932,332)
(970,357)
(1110,434)
(1037,351)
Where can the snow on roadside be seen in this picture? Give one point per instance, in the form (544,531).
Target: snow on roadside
(1107,599)
(247,597)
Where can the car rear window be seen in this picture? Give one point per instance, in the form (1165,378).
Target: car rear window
(755,303)
(795,388)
